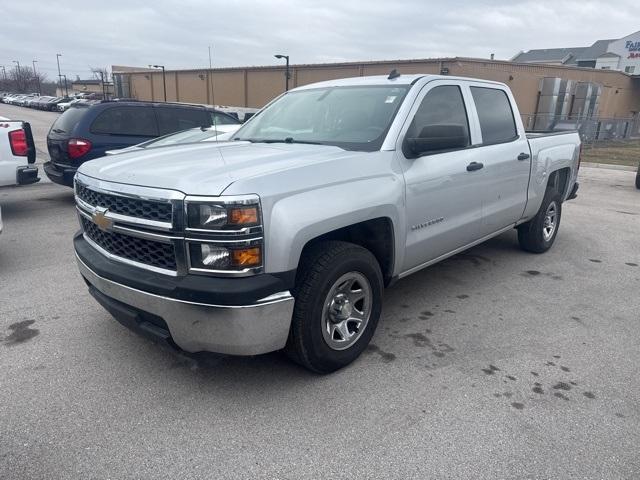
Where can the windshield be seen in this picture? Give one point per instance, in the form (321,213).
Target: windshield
(353,118)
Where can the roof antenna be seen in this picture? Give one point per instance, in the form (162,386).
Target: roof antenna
(393,75)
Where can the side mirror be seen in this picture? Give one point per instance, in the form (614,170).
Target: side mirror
(435,138)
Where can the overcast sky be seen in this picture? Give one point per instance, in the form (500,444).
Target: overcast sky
(178,33)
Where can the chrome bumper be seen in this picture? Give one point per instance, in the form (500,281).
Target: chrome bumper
(236,330)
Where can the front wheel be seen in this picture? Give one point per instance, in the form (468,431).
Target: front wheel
(539,233)
(338,298)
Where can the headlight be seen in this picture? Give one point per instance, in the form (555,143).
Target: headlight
(210,216)
(211,256)
(224,235)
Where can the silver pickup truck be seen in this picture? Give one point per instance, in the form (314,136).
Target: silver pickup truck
(285,236)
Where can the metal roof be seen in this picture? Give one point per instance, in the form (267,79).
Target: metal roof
(565,56)
(596,50)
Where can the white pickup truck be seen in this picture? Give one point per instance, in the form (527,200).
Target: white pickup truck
(17,153)
(286,237)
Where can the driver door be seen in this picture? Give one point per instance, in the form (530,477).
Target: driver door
(444,186)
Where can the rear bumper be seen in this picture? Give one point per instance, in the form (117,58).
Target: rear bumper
(259,327)
(60,175)
(27,175)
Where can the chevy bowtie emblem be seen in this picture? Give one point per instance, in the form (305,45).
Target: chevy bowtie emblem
(99,217)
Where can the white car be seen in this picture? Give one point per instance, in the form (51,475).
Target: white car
(17,153)
(192,135)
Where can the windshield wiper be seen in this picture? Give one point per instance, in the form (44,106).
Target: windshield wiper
(278,140)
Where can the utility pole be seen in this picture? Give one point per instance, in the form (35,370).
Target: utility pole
(35,75)
(58,55)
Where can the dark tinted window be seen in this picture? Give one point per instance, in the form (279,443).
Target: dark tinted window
(495,115)
(175,119)
(138,121)
(441,106)
(218,118)
(68,120)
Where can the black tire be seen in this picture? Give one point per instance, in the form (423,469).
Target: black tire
(531,235)
(320,268)
(638,178)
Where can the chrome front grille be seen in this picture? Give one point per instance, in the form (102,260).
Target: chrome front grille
(140,250)
(146,227)
(131,207)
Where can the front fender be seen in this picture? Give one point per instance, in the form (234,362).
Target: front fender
(296,219)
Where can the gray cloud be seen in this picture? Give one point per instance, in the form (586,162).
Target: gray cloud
(177,33)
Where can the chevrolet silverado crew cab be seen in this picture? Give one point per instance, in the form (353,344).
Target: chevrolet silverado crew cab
(17,154)
(286,236)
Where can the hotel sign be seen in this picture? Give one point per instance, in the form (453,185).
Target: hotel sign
(633,48)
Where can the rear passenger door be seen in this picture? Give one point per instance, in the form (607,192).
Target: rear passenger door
(122,126)
(174,119)
(505,155)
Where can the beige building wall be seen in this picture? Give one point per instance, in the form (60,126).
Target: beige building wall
(256,86)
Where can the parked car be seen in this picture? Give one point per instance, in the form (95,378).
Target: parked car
(192,135)
(17,153)
(286,237)
(52,106)
(85,132)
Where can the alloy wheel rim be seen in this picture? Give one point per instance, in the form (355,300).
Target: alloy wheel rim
(346,310)
(550,221)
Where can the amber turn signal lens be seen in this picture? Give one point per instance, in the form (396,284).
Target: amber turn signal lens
(243,216)
(246,257)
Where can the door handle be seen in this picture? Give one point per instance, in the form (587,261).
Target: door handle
(523,156)
(474,166)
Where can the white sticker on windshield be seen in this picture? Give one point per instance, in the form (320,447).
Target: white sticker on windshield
(390,99)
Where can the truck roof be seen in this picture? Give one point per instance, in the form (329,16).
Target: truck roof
(384,80)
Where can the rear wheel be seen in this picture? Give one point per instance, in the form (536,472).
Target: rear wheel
(539,233)
(338,303)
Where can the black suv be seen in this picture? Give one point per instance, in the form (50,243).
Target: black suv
(85,132)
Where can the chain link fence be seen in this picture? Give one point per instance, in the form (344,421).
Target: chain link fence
(592,130)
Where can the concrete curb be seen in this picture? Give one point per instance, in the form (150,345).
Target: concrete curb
(608,166)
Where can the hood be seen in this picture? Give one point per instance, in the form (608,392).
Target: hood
(205,168)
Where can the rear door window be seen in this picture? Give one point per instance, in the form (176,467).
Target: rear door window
(495,114)
(134,121)
(66,122)
(176,119)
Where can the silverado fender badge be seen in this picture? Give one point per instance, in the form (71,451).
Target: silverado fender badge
(428,223)
(99,217)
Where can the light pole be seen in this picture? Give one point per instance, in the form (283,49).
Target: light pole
(58,55)
(66,88)
(164,80)
(287,75)
(35,75)
(18,75)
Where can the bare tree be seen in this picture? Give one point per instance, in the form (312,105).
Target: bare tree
(102,74)
(22,79)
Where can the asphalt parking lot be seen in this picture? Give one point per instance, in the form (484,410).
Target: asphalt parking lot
(493,364)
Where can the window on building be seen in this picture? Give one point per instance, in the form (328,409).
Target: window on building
(629,69)
(495,114)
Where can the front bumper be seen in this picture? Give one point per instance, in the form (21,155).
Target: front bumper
(259,327)
(60,175)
